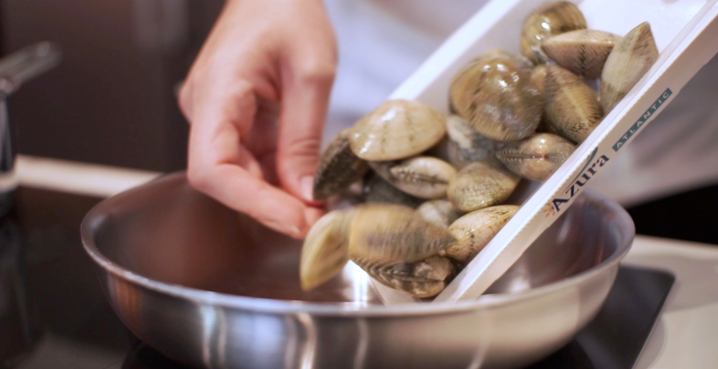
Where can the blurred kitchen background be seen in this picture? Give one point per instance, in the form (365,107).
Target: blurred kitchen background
(112,99)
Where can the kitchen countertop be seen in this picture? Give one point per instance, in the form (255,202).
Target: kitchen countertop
(687,332)
(685,335)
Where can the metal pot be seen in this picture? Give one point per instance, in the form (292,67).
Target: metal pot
(211,288)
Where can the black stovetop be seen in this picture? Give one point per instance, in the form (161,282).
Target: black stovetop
(71,325)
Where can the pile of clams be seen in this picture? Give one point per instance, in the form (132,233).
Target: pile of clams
(433,187)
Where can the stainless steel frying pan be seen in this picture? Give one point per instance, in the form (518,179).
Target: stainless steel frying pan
(211,288)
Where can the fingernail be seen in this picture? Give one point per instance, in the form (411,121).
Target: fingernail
(284,228)
(294,231)
(307,186)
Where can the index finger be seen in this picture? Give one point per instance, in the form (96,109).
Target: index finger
(221,167)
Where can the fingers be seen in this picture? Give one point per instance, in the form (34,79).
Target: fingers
(245,193)
(251,52)
(306,92)
(222,168)
(312,215)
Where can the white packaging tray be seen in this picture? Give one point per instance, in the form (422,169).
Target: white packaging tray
(684,31)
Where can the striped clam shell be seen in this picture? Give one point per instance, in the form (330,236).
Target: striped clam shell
(495,95)
(583,52)
(571,106)
(480,185)
(474,230)
(536,157)
(397,129)
(338,168)
(424,278)
(387,233)
(548,20)
(440,212)
(425,177)
(630,59)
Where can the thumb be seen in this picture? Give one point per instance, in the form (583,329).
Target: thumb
(305,98)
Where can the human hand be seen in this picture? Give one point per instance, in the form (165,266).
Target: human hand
(256,98)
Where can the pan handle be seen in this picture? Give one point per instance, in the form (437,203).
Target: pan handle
(26,64)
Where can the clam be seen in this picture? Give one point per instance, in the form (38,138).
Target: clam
(377,190)
(536,157)
(583,52)
(571,105)
(425,177)
(338,167)
(495,94)
(354,195)
(400,249)
(391,243)
(548,20)
(538,77)
(397,129)
(474,230)
(480,185)
(325,250)
(394,233)
(630,59)
(424,278)
(440,212)
(465,145)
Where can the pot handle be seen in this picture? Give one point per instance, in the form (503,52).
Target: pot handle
(26,64)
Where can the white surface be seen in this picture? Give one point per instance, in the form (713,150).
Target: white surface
(686,334)
(79,178)
(677,28)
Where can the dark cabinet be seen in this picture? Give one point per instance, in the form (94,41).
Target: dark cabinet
(112,99)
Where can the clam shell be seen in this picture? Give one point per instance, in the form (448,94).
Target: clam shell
(548,20)
(325,249)
(495,94)
(440,212)
(385,234)
(377,190)
(630,59)
(338,168)
(397,129)
(474,230)
(423,279)
(538,77)
(583,52)
(398,248)
(425,177)
(571,105)
(480,185)
(465,145)
(536,157)
(441,149)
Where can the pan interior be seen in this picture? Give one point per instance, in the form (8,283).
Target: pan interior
(168,232)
